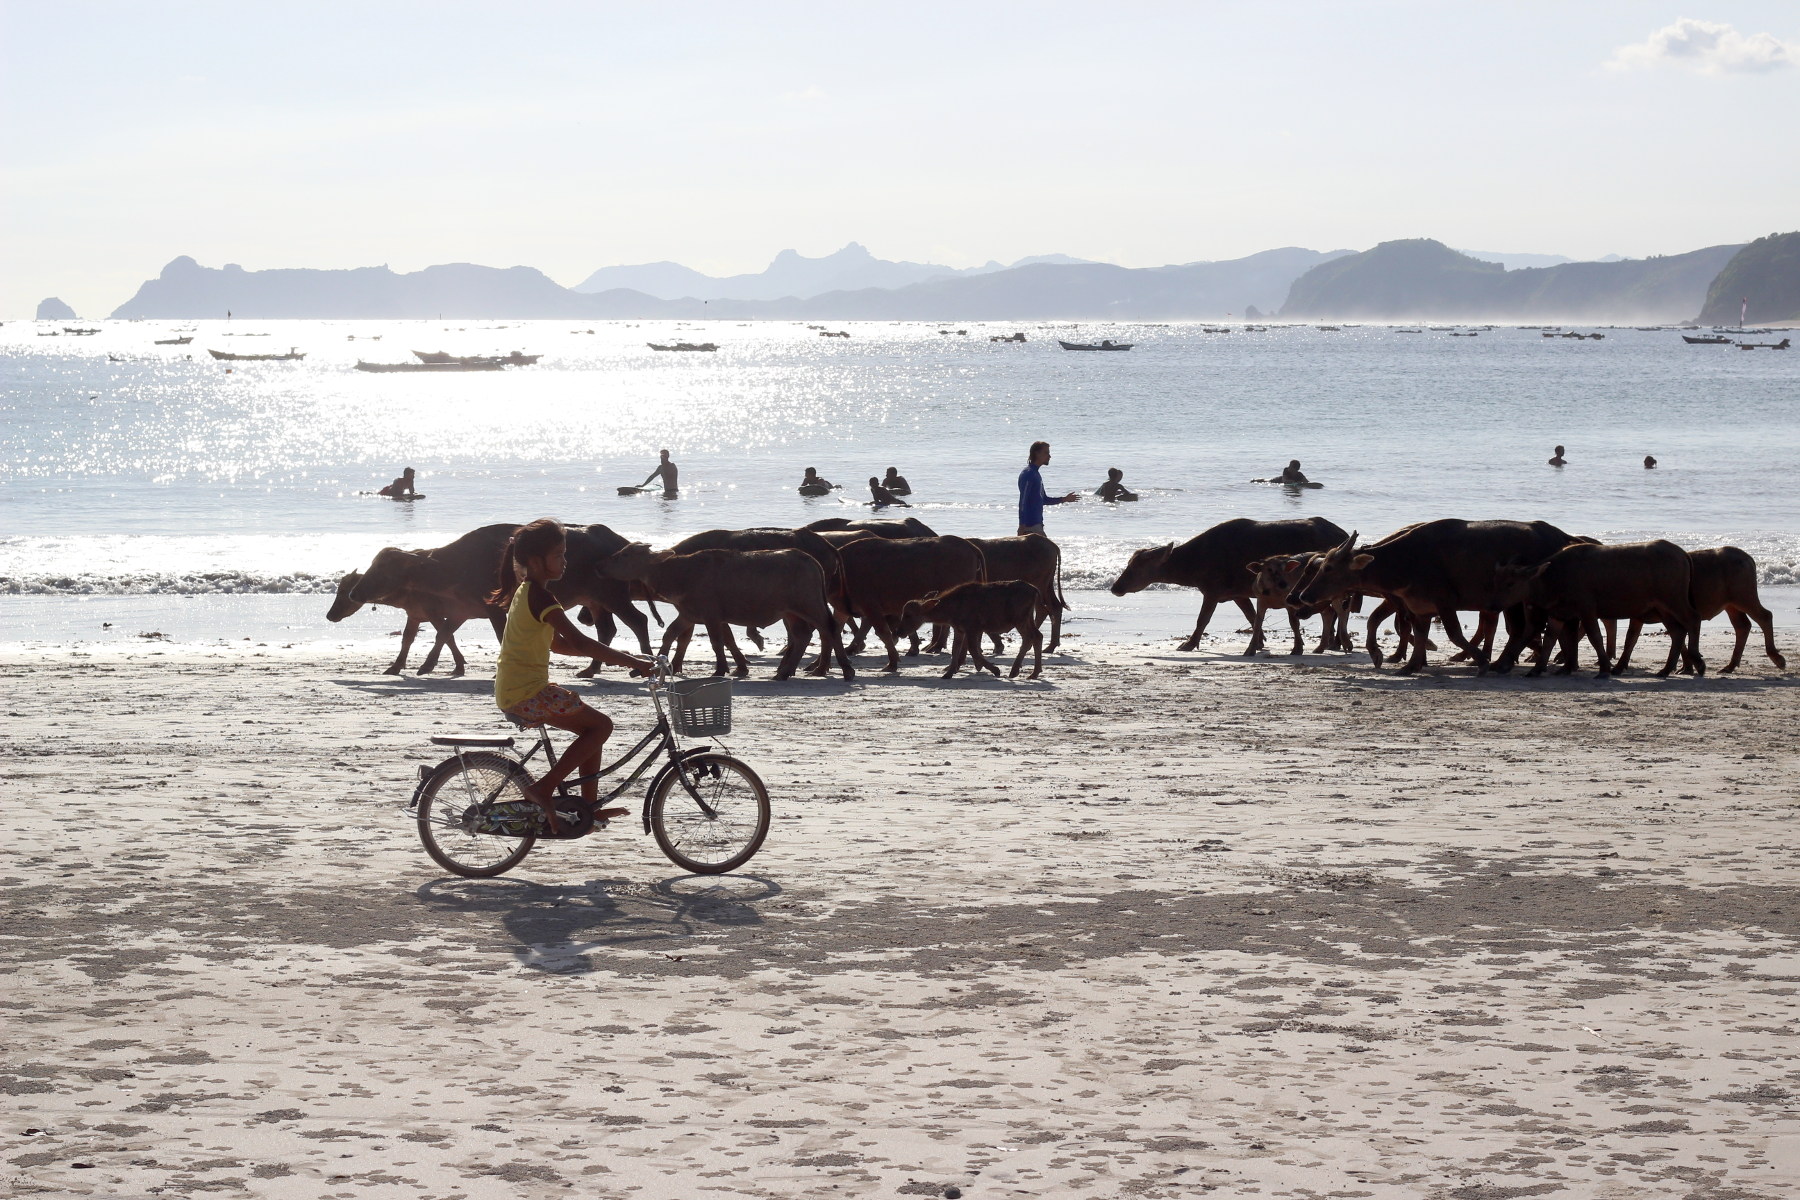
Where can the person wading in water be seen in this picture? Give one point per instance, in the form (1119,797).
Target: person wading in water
(1032,496)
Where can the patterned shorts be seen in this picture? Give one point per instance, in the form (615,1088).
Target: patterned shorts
(551,700)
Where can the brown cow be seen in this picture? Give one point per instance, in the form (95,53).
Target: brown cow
(1035,559)
(904,527)
(721,588)
(1273,587)
(444,586)
(1723,581)
(1582,584)
(1437,569)
(805,540)
(1215,562)
(974,609)
(882,574)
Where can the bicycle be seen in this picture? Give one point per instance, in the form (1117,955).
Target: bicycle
(708,811)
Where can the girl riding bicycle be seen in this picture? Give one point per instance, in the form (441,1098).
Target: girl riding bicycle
(536,625)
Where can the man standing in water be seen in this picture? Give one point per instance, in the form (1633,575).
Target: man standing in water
(1032,496)
(669,473)
(1557,459)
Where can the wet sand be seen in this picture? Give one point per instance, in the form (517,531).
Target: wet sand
(1155,925)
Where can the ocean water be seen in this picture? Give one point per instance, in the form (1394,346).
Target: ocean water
(135,470)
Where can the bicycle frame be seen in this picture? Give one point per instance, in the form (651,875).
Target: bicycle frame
(661,736)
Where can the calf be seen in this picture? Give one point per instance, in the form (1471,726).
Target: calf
(974,609)
(1581,585)
(1215,562)
(1035,559)
(1276,579)
(1723,581)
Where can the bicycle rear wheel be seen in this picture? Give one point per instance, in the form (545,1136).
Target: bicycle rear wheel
(724,841)
(453,789)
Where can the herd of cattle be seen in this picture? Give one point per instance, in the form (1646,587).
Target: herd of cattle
(893,577)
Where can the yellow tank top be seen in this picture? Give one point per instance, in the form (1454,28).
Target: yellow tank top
(524,667)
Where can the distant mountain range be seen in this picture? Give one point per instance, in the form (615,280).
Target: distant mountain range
(1056,290)
(1413,280)
(848,270)
(1419,279)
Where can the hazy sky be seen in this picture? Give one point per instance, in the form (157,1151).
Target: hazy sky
(572,136)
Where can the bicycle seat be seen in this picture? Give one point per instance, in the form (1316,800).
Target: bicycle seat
(471,739)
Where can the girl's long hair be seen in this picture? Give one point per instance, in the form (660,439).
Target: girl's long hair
(535,540)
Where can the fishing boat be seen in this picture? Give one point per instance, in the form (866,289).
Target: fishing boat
(292,355)
(428,367)
(684,346)
(1009,337)
(1106,345)
(1704,340)
(79,332)
(1781,345)
(174,341)
(439,358)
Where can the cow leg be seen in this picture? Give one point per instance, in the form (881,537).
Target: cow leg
(1761,616)
(940,637)
(799,636)
(1256,629)
(447,637)
(833,644)
(959,647)
(1591,626)
(1482,639)
(1631,636)
(1206,611)
(999,643)
(1372,632)
(605,630)
(973,637)
(723,640)
(1293,616)
(1055,614)
(1453,630)
(1571,647)
(884,632)
(444,628)
(861,637)
(1417,626)
(406,640)
(756,637)
(1518,636)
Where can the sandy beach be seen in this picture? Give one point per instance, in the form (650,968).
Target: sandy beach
(1155,925)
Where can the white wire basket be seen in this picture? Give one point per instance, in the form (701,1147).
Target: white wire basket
(700,707)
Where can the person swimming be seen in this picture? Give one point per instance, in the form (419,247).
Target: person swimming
(1557,459)
(896,483)
(814,485)
(882,497)
(1114,489)
(1649,462)
(402,488)
(1291,474)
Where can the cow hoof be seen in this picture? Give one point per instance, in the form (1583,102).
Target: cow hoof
(849,672)
(1187,645)
(456,674)
(392,671)
(781,675)
(891,669)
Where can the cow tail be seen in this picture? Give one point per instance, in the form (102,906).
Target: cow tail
(981,571)
(1060,601)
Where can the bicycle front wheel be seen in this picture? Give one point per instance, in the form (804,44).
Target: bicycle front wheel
(723,841)
(444,807)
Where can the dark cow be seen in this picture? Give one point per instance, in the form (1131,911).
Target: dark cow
(904,527)
(585,585)
(1216,562)
(974,609)
(812,544)
(444,586)
(1036,560)
(1276,579)
(717,589)
(1723,580)
(882,574)
(1437,569)
(1581,585)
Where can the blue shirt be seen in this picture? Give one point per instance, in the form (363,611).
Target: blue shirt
(1032,497)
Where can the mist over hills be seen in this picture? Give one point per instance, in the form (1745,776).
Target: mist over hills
(791,274)
(1413,280)
(1422,279)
